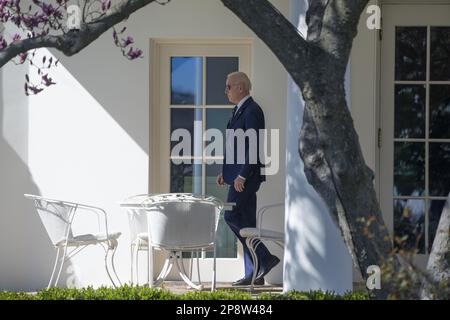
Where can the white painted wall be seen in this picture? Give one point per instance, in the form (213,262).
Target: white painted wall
(86,139)
(20,232)
(316,256)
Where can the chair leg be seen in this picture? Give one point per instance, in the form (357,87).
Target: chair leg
(61,265)
(131,264)
(182,273)
(54,268)
(168,264)
(112,263)
(213,284)
(148,268)
(197,253)
(106,266)
(136,263)
(250,242)
(111,246)
(181,268)
(191,264)
(169,268)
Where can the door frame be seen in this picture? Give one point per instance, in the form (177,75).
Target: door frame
(159,170)
(385,179)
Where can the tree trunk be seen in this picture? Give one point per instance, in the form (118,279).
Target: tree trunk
(335,167)
(438,267)
(329,146)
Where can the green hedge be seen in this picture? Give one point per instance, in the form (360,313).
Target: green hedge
(145,293)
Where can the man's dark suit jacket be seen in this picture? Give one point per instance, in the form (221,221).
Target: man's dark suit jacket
(249,116)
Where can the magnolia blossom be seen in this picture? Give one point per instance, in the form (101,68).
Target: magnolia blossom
(41,19)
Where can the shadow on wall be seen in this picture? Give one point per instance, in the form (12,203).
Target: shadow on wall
(27,255)
(297,186)
(120,86)
(316,254)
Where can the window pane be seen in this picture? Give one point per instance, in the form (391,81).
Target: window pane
(409,224)
(439,169)
(185,177)
(440,112)
(409,169)
(217,69)
(440,54)
(212,189)
(410,53)
(217,119)
(186,80)
(187,142)
(409,111)
(436,208)
(226,240)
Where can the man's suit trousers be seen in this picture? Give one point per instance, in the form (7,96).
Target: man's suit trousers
(243,215)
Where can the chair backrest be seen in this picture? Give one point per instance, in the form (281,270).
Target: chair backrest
(137,217)
(56,216)
(182,221)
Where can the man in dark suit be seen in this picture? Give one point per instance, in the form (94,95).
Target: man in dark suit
(242,172)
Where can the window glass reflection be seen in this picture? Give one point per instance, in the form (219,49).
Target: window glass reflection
(212,170)
(190,120)
(409,225)
(440,54)
(439,169)
(440,111)
(409,168)
(226,240)
(410,53)
(186,80)
(409,111)
(185,177)
(217,69)
(218,119)
(436,208)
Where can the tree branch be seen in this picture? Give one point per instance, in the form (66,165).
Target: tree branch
(314,17)
(73,41)
(275,31)
(339,26)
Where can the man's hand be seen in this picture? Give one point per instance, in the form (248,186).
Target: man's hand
(219,180)
(239,184)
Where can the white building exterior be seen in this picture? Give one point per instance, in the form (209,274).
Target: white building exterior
(91,139)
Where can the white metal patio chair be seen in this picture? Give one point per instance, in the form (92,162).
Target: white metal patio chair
(137,219)
(254,236)
(179,222)
(57,217)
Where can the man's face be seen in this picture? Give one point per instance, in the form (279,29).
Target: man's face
(233,91)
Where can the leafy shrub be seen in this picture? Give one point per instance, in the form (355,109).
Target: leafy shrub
(144,293)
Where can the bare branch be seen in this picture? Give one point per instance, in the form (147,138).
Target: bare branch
(73,41)
(276,31)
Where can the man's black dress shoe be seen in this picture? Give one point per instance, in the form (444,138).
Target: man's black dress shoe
(247,281)
(265,269)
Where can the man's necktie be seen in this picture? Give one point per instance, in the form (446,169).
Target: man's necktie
(232,116)
(234,112)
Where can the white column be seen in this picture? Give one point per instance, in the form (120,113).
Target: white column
(315,254)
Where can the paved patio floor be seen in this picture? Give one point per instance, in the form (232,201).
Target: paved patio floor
(180,287)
